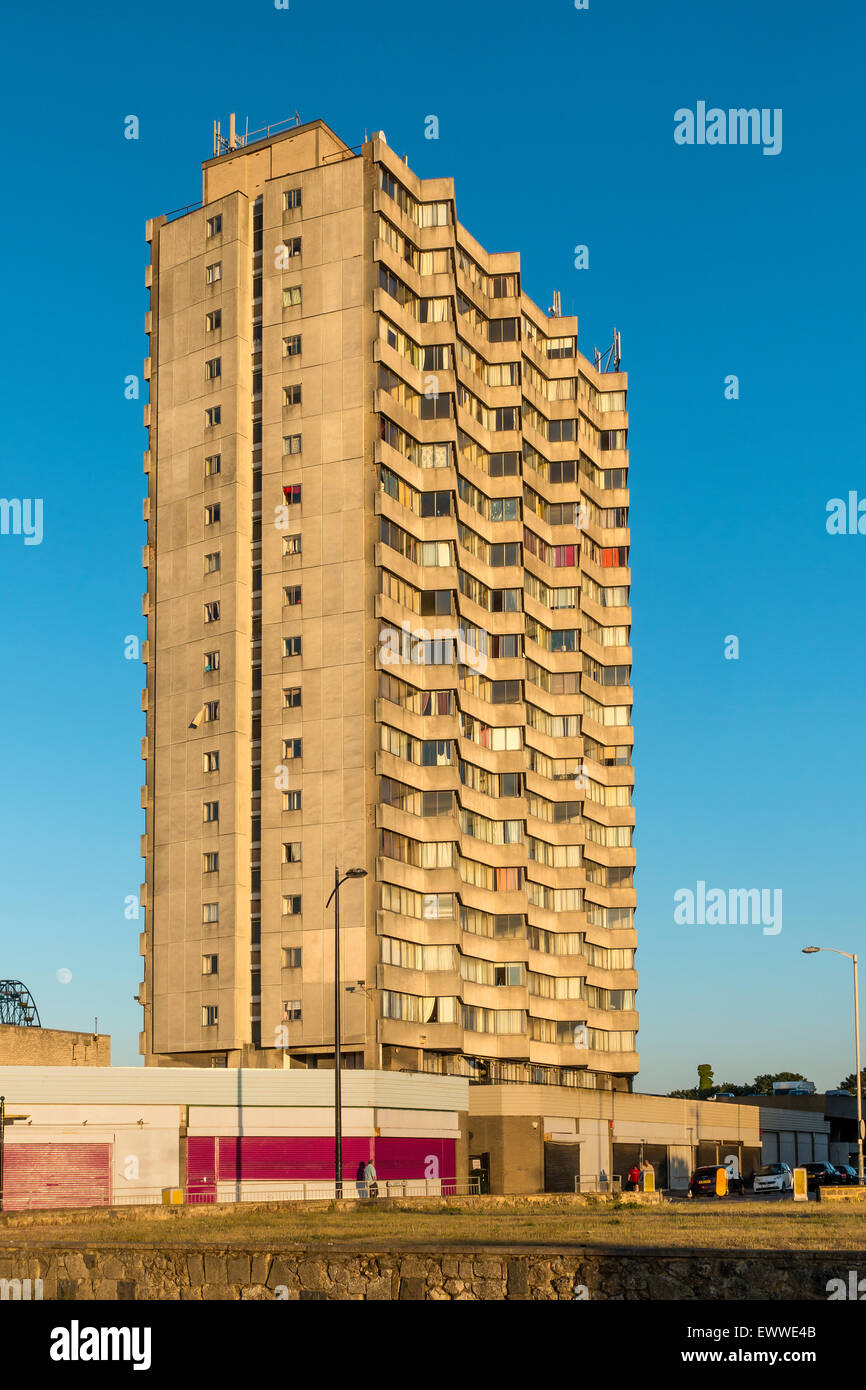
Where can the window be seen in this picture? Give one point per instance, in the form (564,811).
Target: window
(292,494)
(213,416)
(210,912)
(293,593)
(212,708)
(292,905)
(291,199)
(291,443)
(212,612)
(210,965)
(291,545)
(291,957)
(292,394)
(291,296)
(257,287)
(214,272)
(212,514)
(292,345)
(211,662)
(212,465)
(210,811)
(291,801)
(210,863)
(503,330)
(213,321)
(212,562)
(209,1015)
(291,646)
(292,1010)
(292,852)
(215,225)
(291,748)
(292,697)
(211,762)
(213,368)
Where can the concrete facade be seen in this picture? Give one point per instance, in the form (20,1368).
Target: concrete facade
(420,661)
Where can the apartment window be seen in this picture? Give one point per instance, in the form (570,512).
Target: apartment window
(503,330)
(214,272)
(210,912)
(559,430)
(292,905)
(291,246)
(292,697)
(292,1010)
(211,762)
(215,225)
(291,801)
(292,494)
(212,612)
(435,503)
(209,1015)
(292,646)
(292,394)
(213,321)
(210,811)
(291,199)
(212,465)
(291,748)
(213,368)
(212,562)
(291,545)
(291,296)
(291,443)
(213,416)
(257,287)
(291,957)
(292,345)
(210,863)
(210,965)
(292,852)
(212,708)
(293,593)
(506,417)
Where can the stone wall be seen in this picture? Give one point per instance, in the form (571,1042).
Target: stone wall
(52,1047)
(214,1272)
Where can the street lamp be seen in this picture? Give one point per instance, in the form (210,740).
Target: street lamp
(338,1099)
(811,951)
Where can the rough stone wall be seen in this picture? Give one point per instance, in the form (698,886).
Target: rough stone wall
(459,1274)
(52,1047)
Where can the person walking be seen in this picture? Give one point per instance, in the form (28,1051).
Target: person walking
(360,1181)
(633,1178)
(370,1180)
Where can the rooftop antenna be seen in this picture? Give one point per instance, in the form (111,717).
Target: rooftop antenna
(233,139)
(555,311)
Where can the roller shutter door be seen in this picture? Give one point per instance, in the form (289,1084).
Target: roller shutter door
(40,1176)
(561,1166)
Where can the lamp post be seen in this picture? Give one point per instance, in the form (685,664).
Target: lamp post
(338,1096)
(811,951)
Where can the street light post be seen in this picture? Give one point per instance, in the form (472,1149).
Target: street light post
(811,951)
(338,1090)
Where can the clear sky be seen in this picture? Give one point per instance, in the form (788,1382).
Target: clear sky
(557,125)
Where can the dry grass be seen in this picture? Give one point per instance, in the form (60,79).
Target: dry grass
(687,1226)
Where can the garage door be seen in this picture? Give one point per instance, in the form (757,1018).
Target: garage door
(38,1176)
(561,1166)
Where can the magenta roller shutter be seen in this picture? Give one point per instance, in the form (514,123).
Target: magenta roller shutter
(56,1175)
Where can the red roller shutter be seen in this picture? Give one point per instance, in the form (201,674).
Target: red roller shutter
(56,1175)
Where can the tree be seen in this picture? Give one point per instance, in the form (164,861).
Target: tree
(705,1077)
(850,1082)
(764,1083)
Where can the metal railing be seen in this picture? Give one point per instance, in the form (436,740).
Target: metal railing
(231,1190)
(609,1186)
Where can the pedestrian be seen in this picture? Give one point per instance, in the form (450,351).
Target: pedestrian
(370,1180)
(633,1178)
(646,1168)
(360,1182)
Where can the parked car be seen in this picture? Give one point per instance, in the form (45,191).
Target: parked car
(774,1177)
(704,1183)
(822,1175)
(848,1173)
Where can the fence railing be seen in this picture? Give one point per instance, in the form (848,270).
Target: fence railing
(203,1193)
(610,1186)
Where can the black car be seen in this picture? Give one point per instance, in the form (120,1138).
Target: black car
(703,1181)
(822,1175)
(849,1174)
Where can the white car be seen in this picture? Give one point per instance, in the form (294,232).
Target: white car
(774,1177)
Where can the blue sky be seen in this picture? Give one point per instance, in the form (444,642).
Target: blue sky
(557,126)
